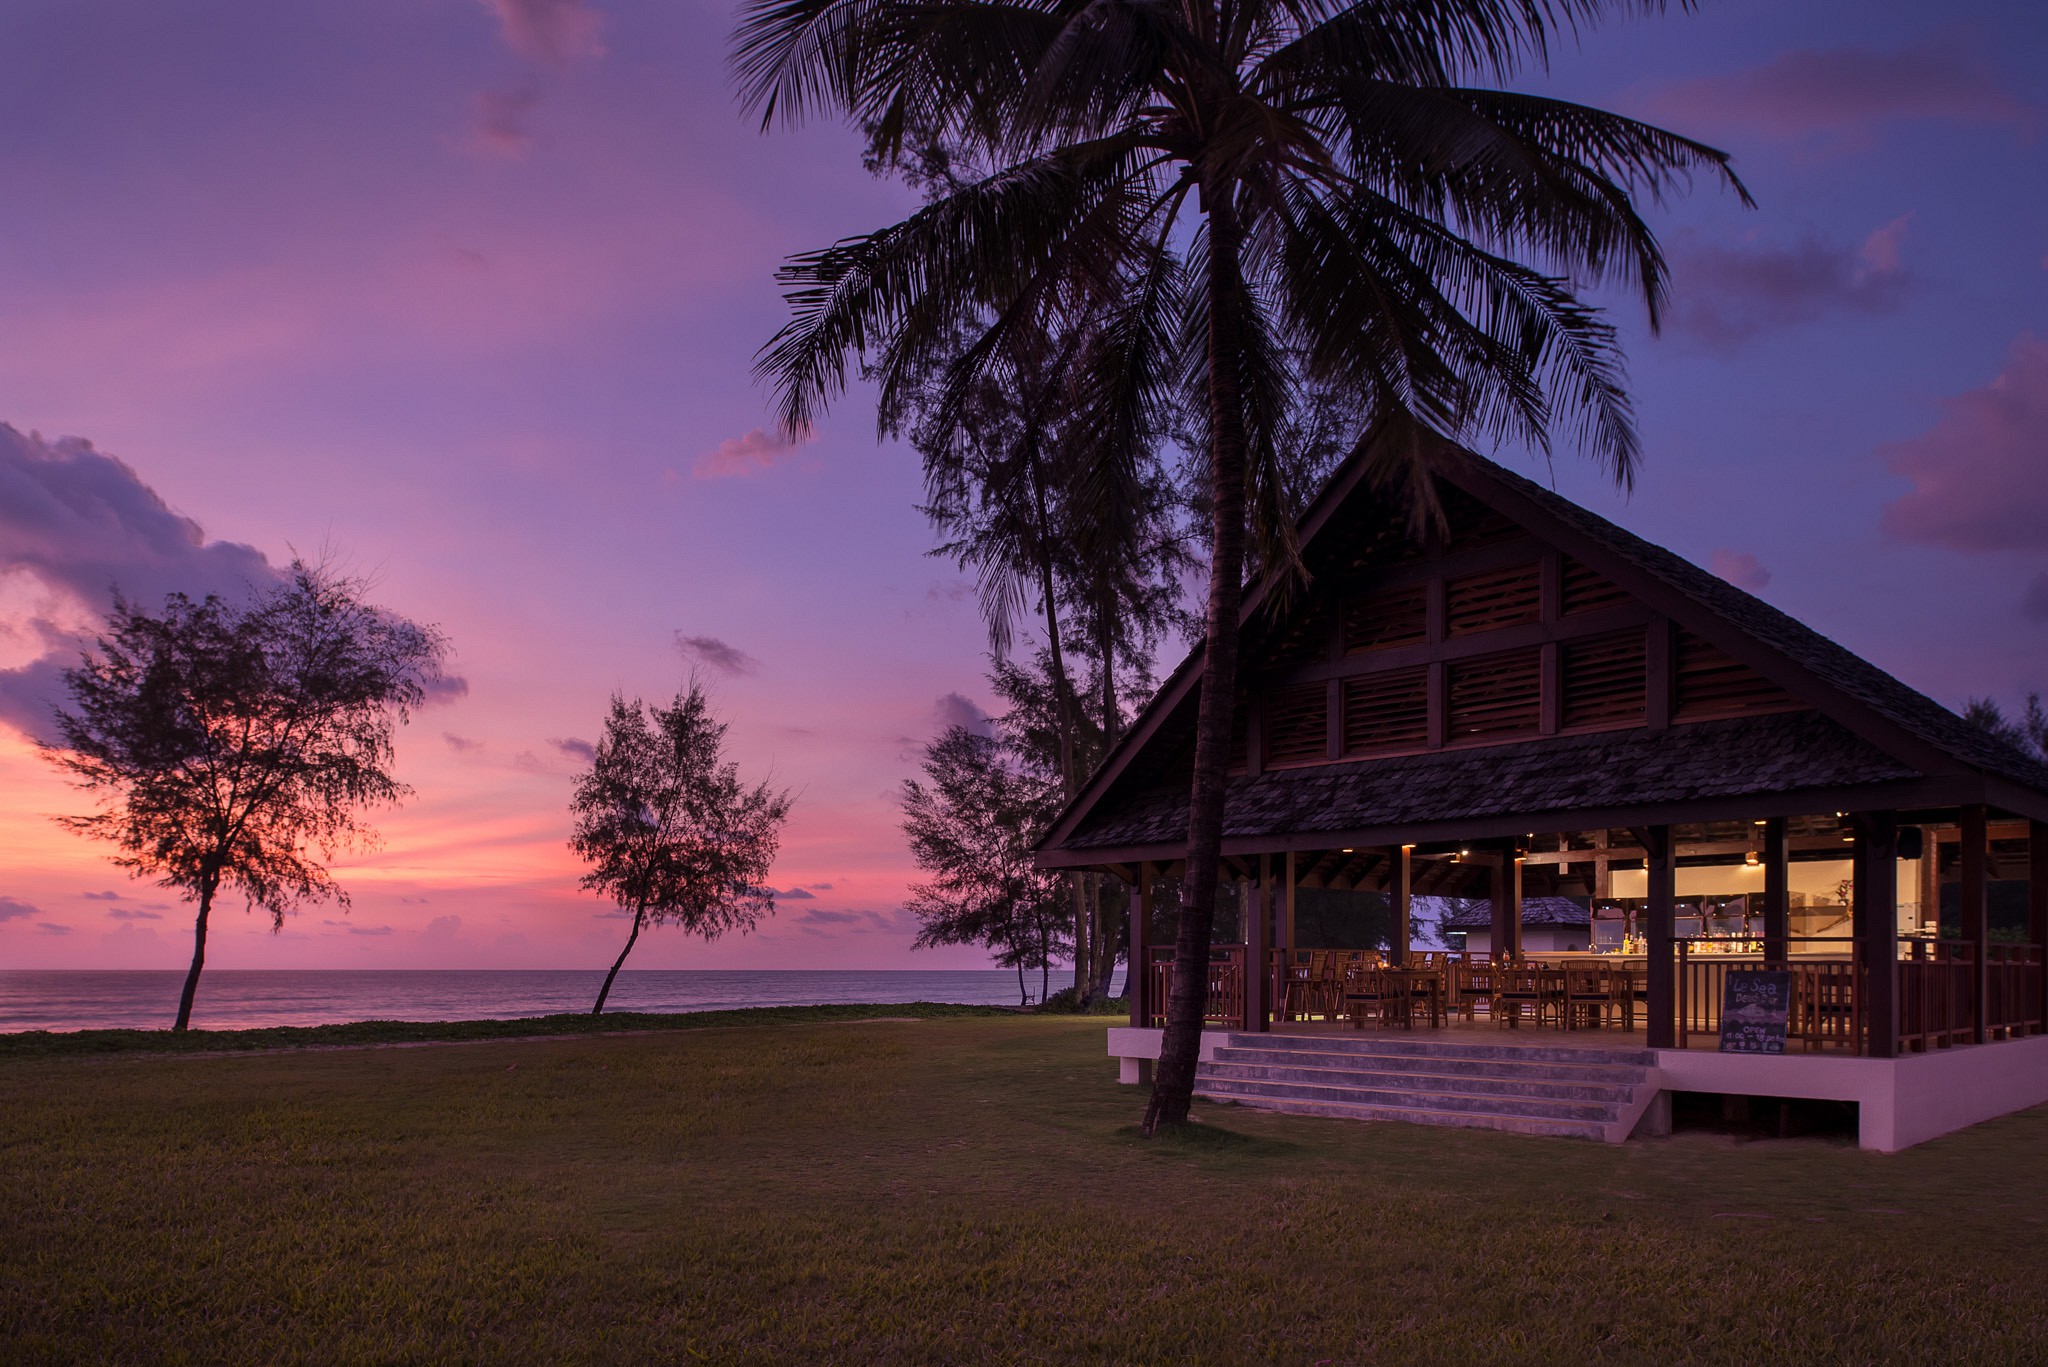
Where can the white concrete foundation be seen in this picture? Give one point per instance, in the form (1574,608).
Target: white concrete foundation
(1899,1102)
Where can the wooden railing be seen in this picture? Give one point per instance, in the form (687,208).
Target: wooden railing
(2013,991)
(1826,1005)
(1937,994)
(1225,1004)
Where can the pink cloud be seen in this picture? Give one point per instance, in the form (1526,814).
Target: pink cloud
(1844,90)
(1724,295)
(1739,568)
(1980,474)
(556,32)
(757,450)
(501,118)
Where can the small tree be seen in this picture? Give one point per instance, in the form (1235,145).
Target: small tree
(233,744)
(670,832)
(971,829)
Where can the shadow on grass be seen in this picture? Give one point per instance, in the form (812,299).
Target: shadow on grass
(1195,1137)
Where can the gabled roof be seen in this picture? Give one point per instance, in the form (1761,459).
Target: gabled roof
(1869,728)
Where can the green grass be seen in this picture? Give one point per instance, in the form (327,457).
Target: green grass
(947,1190)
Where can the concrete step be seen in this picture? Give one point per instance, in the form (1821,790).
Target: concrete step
(1515,1124)
(1392,1042)
(1597,1074)
(1430,1079)
(1415,1098)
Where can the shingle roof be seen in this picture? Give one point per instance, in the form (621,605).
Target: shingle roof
(1779,753)
(1854,675)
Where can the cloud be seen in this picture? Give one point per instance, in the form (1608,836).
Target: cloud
(369,930)
(955,709)
(819,916)
(819,887)
(795,894)
(572,748)
(461,745)
(757,450)
(552,32)
(713,653)
(130,914)
(446,689)
(1840,91)
(501,119)
(530,762)
(101,896)
(52,928)
(442,928)
(2034,603)
(1726,295)
(1980,474)
(75,524)
(1739,568)
(10,909)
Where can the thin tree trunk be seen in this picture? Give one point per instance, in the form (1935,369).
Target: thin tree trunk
(1023,992)
(1062,691)
(1173,1086)
(207,885)
(639,915)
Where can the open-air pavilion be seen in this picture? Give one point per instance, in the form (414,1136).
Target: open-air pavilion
(1535,704)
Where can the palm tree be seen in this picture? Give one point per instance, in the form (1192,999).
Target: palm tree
(1259,199)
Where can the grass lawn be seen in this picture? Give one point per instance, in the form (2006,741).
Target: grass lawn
(944,1190)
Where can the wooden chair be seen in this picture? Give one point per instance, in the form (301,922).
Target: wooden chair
(1588,994)
(1522,989)
(1367,994)
(1471,987)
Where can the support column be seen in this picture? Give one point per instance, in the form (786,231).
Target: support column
(1662,1006)
(1511,894)
(1400,898)
(1976,908)
(1291,943)
(1777,892)
(1138,972)
(1496,907)
(1258,940)
(2037,911)
(1875,911)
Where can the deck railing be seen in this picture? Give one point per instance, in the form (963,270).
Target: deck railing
(2013,991)
(1937,994)
(1825,1008)
(1226,984)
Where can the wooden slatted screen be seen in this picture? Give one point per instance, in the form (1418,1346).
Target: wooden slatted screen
(1386,711)
(1497,598)
(1495,695)
(1473,524)
(1585,591)
(1380,621)
(1307,637)
(1297,722)
(1712,683)
(1605,683)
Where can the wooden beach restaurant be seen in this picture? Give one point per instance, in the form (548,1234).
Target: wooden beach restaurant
(1696,848)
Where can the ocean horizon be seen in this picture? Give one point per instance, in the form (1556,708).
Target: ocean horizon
(250,998)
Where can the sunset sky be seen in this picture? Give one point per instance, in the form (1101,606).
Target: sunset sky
(464,294)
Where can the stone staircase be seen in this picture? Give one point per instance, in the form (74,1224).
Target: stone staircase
(1536,1088)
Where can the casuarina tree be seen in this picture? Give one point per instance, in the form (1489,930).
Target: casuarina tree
(669,831)
(235,744)
(1255,201)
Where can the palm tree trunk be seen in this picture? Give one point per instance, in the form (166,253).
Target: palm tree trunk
(207,884)
(639,914)
(1173,1085)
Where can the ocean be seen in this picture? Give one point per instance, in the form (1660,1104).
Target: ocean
(230,998)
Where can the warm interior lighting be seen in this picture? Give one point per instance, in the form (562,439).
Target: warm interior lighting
(1750,859)
(1345,850)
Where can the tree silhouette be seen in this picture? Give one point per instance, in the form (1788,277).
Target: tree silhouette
(234,744)
(669,831)
(1253,200)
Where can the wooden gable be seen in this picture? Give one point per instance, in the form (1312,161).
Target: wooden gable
(1481,634)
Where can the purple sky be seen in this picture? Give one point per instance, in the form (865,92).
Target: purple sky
(467,293)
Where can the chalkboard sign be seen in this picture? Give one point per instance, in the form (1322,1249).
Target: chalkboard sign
(1754,1005)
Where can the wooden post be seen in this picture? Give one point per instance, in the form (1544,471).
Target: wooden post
(1258,939)
(1496,906)
(1976,909)
(1777,892)
(1138,969)
(1293,942)
(2037,911)
(1875,912)
(1662,870)
(1511,893)
(1400,897)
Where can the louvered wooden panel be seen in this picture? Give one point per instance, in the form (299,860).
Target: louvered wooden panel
(1380,621)
(1585,591)
(1306,637)
(1712,683)
(1388,711)
(1497,598)
(1297,725)
(1604,681)
(1495,695)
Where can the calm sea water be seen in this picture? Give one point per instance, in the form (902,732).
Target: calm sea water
(238,998)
